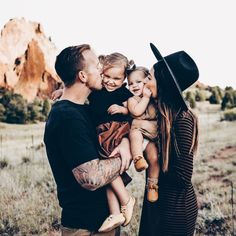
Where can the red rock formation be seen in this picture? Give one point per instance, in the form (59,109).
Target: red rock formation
(27,59)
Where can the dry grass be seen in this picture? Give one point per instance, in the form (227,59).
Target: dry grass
(28,203)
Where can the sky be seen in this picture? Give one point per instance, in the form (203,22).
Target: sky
(202,28)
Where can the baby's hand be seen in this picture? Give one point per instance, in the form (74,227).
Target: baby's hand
(56,94)
(115,109)
(146,92)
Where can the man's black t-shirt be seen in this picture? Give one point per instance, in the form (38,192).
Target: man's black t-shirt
(70,141)
(101,100)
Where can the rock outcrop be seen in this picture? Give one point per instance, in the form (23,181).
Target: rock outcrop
(27,60)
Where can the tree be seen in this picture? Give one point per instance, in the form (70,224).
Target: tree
(16,110)
(46,107)
(191,99)
(2,113)
(200,96)
(228,100)
(215,97)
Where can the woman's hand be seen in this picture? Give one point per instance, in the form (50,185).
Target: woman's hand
(57,94)
(116,109)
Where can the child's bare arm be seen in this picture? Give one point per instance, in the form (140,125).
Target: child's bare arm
(138,108)
(57,94)
(115,109)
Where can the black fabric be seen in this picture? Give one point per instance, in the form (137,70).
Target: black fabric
(175,212)
(71,140)
(101,100)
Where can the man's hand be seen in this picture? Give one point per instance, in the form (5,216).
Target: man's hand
(124,150)
(116,109)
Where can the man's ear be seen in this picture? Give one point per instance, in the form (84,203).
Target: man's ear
(82,76)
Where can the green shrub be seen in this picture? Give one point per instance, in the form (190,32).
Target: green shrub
(33,112)
(3,163)
(190,97)
(200,96)
(230,115)
(46,107)
(215,98)
(228,100)
(2,113)
(16,110)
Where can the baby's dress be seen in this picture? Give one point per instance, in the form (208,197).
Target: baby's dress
(147,122)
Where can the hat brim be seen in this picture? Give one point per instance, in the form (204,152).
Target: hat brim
(159,57)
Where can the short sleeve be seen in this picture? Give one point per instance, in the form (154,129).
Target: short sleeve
(76,143)
(124,93)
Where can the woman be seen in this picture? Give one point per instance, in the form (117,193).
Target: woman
(175,212)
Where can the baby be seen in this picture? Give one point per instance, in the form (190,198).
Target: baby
(144,125)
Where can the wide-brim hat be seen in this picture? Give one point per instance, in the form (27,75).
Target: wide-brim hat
(175,73)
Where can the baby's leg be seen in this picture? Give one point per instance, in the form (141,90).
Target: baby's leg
(136,143)
(153,172)
(152,158)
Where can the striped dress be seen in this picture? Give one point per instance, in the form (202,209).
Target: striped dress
(175,212)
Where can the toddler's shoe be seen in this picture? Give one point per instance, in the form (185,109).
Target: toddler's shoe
(152,191)
(140,163)
(127,210)
(111,222)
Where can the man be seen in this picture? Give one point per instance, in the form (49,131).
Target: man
(71,145)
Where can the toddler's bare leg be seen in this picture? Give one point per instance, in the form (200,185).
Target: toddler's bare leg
(119,189)
(136,142)
(113,202)
(153,172)
(152,158)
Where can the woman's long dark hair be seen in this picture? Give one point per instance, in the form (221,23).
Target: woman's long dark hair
(167,113)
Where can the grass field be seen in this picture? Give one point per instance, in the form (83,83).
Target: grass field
(28,203)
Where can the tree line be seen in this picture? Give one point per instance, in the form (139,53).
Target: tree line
(16,110)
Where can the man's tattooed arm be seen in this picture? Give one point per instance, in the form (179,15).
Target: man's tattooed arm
(97,173)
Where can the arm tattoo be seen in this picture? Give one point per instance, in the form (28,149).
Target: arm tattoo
(97,173)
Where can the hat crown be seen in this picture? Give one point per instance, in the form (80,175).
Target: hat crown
(177,72)
(184,69)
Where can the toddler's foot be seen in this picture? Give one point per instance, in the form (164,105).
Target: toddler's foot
(111,222)
(127,210)
(140,163)
(152,190)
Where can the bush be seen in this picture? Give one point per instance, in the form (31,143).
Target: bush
(228,100)
(16,111)
(2,113)
(230,115)
(190,97)
(3,163)
(215,98)
(200,96)
(33,112)
(46,107)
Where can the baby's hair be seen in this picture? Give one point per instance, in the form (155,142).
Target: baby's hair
(116,59)
(143,69)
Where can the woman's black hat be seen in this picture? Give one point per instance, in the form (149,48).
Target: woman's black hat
(175,73)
